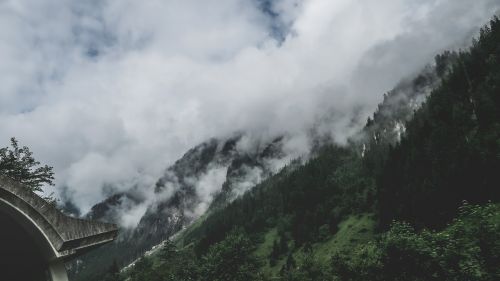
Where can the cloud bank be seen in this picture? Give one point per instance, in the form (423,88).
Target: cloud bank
(111,92)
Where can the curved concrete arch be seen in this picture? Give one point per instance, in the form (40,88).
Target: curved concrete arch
(58,237)
(31,227)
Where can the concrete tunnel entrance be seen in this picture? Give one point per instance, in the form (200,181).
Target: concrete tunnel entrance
(36,239)
(20,256)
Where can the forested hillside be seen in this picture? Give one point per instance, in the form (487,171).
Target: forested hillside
(413,197)
(452,145)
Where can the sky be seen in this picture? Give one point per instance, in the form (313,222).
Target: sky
(110,92)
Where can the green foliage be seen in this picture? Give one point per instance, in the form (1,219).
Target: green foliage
(143,270)
(451,148)
(177,264)
(354,230)
(230,259)
(299,200)
(275,253)
(468,249)
(18,164)
(280,247)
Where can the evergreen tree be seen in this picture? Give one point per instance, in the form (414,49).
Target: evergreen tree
(275,253)
(230,259)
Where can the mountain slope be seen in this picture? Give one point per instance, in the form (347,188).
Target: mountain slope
(449,152)
(451,148)
(207,177)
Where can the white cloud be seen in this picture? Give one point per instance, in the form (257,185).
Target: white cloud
(207,186)
(111,92)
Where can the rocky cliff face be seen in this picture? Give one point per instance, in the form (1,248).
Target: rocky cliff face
(208,176)
(387,124)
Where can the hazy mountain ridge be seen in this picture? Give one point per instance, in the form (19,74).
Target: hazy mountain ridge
(178,201)
(207,176)
(233,170)
(387,125)
(420,204)
(177,198)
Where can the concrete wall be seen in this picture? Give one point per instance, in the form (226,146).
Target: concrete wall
(58,237)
